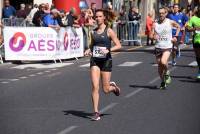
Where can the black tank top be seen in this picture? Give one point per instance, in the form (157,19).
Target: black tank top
(101,41)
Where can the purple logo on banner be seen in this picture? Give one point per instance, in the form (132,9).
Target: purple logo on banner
(13,42)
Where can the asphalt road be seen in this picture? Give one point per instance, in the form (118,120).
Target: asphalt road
(56,98)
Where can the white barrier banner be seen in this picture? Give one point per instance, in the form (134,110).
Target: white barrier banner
(42,43)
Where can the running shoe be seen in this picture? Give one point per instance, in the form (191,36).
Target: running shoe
(167,78)
(163,85)
(96,116)
(117,89)
(173,62)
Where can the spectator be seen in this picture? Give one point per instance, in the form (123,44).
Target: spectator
(134,15)
(149,24)
(31,14)
(134,27)
(89,26)
(28,8)
(71,17)
(89,18)
(21,13)
(47,8)
(122,23)
(38,16)
(8,10)
(181,19)
(50,20)
(93,8)
(62,18)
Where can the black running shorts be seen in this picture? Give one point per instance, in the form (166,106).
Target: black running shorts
(104,65)
(159,51)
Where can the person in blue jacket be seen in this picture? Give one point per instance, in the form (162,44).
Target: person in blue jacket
(181,19)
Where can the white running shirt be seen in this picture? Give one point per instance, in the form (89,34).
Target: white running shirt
(164,34)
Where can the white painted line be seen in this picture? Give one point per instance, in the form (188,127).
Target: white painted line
(134,92)
(14,79)
(4,82)
(23,77)
(32,75)
(193,64)
(129,64)
(54,74)
(154,80)
(54,69)
(150,48)
(9,79)
(108,107)
(4,64)
(47,71)
(67,130)
(155,65)
(40,73)
(42,66)
(85,65)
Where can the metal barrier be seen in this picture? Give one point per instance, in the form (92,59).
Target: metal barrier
(2,53)
(128,31)
(17,22)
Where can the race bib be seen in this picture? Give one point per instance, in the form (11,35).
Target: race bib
(163,38)
(98,52)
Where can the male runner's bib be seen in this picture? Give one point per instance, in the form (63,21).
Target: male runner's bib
(164,34)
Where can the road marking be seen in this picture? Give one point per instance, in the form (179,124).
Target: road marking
(4,82)
(14,79)
(23,77)
(155,65)
(85,65)
(42,66)
(193,64)
(150,48)
(134,48)
(54,74)
(110,106)
(133,93)
(47,71)
(32,75)
(40,73)
(154,80)
(129,64)
(67,130)
(9,79)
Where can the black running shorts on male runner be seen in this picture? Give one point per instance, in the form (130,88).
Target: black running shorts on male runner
(159,51)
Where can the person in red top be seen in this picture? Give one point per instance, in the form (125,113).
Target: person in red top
(149,24)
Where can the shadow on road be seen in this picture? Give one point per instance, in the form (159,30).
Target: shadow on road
(152,87)
(184,77)
(185,66)
(189,79)
(81,114)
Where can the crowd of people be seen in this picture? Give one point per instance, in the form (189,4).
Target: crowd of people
(166,31)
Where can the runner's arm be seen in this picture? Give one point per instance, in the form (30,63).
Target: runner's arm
(113,36)
(152,32)
(177,26)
